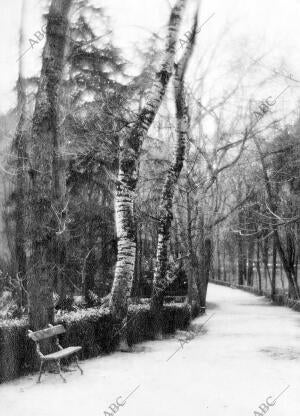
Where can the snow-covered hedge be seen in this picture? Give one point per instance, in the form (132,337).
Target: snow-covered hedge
(93,329)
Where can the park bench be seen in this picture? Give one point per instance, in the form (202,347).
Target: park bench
(50,332)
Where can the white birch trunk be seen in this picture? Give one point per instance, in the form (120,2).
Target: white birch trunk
(166,204)
(128,173)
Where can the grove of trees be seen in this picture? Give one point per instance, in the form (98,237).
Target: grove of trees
(117,190)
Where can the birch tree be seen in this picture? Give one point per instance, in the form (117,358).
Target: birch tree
(43,170)
(166,204)
(130,147)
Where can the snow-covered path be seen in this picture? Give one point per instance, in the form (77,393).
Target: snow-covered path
(246,352)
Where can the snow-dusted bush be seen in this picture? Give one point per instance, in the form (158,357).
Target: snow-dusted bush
(94,329)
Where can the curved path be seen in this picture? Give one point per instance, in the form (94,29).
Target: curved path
(247,353)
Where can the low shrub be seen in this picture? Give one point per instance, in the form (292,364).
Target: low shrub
(13,348)
(93,329)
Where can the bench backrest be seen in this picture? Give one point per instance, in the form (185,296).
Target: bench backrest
(52,331)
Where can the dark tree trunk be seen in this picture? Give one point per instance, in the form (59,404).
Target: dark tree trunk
(242,264)
(274,269)
(265,258)
(224,265)
(60,244)
(251,248)
(241,261)
(44,151)
(218,255)
(258,264)
(89,281)
(193,267)
(207,268)
(138,265)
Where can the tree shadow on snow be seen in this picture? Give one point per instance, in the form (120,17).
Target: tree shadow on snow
(211,306)
(277,353)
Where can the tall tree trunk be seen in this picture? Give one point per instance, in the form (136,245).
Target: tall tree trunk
(193,267)
(241,254)
(207,267)
(89,281)
(224,265)
(44,151)
(60,206)
(166,203)
(218,255)
(274,269)
(199,262)
(251,248)
(128,175)
(258,264)
(204,273)
(265,259)
(138,264)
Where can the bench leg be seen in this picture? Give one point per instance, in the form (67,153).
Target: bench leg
(59,369)
(41,371)
(77,364)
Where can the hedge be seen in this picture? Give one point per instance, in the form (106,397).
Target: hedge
(94,329)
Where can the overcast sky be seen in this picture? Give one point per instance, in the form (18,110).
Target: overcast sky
(254,27)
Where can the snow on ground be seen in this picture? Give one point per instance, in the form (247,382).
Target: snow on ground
(248,351)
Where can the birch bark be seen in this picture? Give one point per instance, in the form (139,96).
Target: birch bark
(130,147)
(166,203)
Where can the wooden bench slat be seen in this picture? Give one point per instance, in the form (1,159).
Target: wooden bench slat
(62,353)
(47,333)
